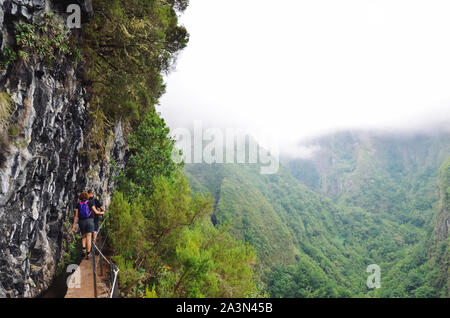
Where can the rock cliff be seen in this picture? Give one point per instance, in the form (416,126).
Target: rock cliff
(43,165)
(441,239)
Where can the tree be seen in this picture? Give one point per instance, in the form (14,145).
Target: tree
(151,156)
(128,44)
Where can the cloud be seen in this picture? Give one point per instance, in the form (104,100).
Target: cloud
(302,68)
(301,151)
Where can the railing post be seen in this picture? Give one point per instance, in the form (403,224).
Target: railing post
(115,292)
(93,268)
(106,228)
(111,275)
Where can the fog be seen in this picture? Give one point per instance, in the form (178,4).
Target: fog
(293,69)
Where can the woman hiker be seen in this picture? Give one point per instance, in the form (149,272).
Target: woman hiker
(97,206)
(85,222)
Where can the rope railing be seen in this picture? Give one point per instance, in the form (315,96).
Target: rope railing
(114,270)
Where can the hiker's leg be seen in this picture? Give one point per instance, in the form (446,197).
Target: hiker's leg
(96,220)
(89,242)
(83,241)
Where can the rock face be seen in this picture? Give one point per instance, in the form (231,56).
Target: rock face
(442,226)
(43,167)
(440,249)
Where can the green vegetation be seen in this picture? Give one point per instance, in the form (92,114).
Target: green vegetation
(144,165)
(128,45)
(13,130)
(71,250)
(125,48)
(311,246)
(163,239)
(289,225)
(444,184)
(8,57)
(394,178)
(304,280)
(45,39)
(423,272)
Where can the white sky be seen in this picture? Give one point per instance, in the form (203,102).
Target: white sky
(295,68)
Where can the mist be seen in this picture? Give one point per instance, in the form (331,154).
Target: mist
(299,69)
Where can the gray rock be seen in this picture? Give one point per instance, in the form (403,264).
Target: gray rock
(45,168)
(25,13)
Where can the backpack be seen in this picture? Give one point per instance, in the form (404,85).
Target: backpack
(84,212)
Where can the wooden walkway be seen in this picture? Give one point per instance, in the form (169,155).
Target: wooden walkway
(85,289)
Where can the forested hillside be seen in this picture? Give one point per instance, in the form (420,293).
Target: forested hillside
(304,241)
(384,173)
(393,176)
(380,211)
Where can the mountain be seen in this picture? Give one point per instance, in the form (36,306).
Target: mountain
(318,223)
(392,174)
(289,224)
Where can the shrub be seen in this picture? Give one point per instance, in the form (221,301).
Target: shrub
(8,56)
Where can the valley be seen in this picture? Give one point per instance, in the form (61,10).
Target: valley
(319,222)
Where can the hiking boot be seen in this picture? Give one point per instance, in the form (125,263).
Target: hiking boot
(88,254)
(83,253)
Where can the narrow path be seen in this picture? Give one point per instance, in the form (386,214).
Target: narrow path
(86,286)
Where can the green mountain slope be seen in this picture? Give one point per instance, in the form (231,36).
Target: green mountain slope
(394,175)
(289,224)
(383,194)
(395,178)
(424,270)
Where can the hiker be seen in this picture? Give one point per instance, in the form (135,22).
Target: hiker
(85,222)
(98,205)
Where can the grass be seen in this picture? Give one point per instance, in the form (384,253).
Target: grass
(8,56)
(5,110)
(5,113)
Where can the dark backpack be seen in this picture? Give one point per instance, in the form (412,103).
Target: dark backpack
(85,213)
